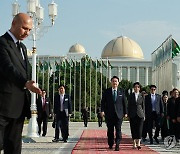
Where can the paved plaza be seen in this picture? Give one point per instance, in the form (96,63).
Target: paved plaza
(44,145)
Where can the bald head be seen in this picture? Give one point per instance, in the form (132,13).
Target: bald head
(21,26)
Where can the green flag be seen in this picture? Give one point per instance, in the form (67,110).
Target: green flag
(104,65)
(57,66)
(175,48)
(67,64)
(40,66)
(50,65)
(45,65)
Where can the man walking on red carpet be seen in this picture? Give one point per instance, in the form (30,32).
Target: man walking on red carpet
(113,107)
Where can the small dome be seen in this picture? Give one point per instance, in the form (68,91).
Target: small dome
(122,47)
(29,53)
(77,48)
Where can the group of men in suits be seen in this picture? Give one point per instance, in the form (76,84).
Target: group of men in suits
(114,108)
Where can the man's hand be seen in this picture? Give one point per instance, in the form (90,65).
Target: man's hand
(178,119)
(102,114)
(31,85)
(125,115)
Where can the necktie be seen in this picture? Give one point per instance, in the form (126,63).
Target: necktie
(114,96)
(18,44)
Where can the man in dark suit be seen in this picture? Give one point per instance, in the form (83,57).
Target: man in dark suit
(14,84)
(44,111)
(153,112)
(113,106)
(62,111)
(85,115)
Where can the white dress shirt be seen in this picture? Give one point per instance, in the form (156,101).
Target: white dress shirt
(61,102)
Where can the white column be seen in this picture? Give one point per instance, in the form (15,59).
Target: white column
(119,73)
(178,74)
(128,73)
(146,76)
(109,73)
(137,73)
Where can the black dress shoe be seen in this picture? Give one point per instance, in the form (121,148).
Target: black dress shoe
(110,147)
(156,139)
(138,147)
(151,141)
(117,148)
(55,140)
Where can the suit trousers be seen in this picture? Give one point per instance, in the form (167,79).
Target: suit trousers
(62,123)
(154,118)
(111,123)
(42,118)
(136,125)
(11,135)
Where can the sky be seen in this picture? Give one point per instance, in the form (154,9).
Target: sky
(93,23)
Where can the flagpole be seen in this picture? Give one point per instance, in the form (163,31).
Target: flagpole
(101,77)
(90,89)
(70,78)
(43,75)
(59,71)
(106,72)
(96,90)
(48,80)
(75,89)
(54,73)
(65,74)
(85,82)
(38,68)
(80,92)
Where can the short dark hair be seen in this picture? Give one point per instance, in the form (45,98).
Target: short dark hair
(152,86)
(175,89)
(115,77)
(165,92)
(61,85)
(136,83)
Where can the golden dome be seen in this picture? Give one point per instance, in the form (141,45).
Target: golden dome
(77,48)
(122,47)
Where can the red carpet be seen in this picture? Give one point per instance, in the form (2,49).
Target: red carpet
(95,142)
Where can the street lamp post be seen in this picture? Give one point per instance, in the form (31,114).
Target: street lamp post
(35,10)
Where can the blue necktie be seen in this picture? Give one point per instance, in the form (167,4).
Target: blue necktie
(114,96)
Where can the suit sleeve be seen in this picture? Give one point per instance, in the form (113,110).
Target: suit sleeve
(161,105)
(124,104)
(70,105)
(103,102)
(7,69)
(55,105)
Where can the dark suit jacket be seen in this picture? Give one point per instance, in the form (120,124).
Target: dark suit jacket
(177,105)
(14,73)
(171,108)
(47,106)
(67,106)
(109,107)
(148,105)
(136,107)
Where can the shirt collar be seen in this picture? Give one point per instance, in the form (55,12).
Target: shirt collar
(114,89)
(13,37)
